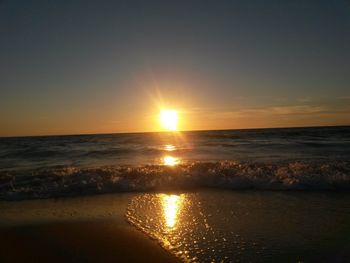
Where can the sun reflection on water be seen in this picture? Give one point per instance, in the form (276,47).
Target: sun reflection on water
(170,160)
(171,208)
(169,147)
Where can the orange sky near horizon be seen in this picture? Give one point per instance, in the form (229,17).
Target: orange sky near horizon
(189,119)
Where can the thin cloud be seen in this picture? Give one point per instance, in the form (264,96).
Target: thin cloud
(277,110)
(298,109)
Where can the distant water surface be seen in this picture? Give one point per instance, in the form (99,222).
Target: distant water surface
(146,148)
(293,158)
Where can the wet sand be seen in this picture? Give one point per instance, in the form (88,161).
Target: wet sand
(82,229)
(79,242)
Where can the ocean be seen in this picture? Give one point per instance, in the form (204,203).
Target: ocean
(269,159)
(259,195)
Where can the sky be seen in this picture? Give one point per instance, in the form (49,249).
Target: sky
(74,67)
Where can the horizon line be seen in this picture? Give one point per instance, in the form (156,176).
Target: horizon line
(198,130)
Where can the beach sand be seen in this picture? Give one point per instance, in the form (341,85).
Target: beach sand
(82,229)
(79,242)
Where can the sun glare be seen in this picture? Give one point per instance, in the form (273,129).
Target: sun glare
(170,160)
(169,119)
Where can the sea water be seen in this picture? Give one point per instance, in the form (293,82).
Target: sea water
(268,159)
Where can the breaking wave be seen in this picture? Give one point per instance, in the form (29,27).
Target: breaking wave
(71,181)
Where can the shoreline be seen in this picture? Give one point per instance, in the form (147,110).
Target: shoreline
(206,225)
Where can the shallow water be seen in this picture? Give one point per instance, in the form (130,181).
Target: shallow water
(251,226)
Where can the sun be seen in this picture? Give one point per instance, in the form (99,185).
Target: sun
(169,119)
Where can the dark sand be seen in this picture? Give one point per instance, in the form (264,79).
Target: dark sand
(96,241)
(82,229)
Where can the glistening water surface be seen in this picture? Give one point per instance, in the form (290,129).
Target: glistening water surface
(251,226)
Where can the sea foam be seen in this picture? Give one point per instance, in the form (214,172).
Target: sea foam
(235,175)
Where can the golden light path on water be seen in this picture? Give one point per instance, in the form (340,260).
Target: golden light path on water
(169,147)
(170,160)
(171,208)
